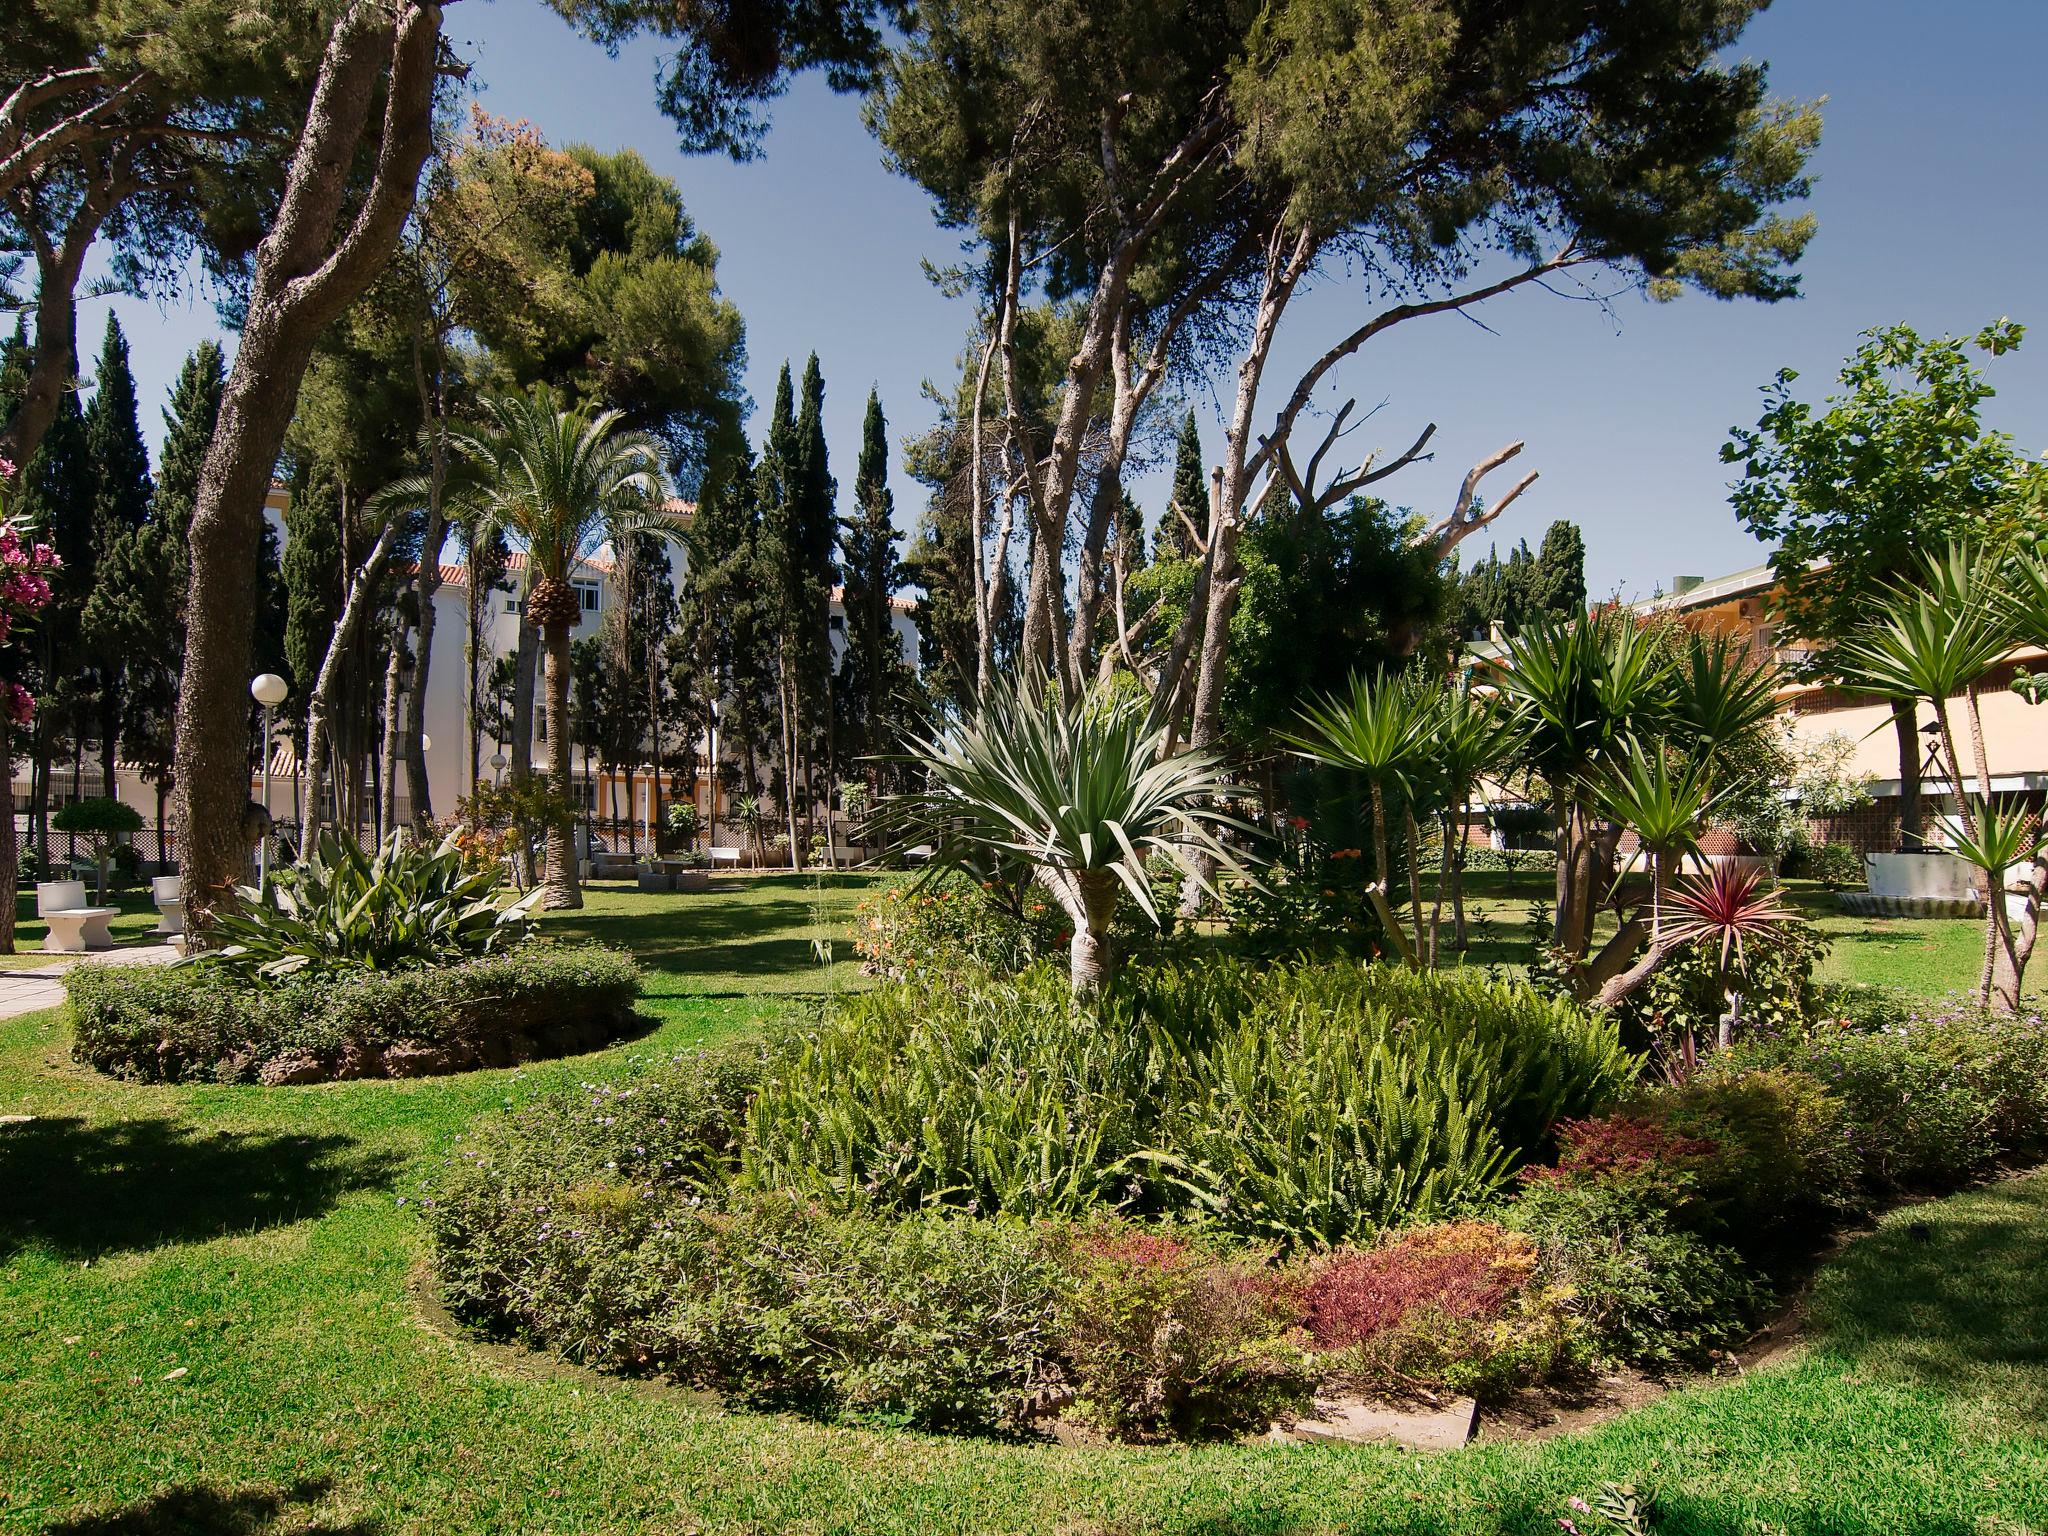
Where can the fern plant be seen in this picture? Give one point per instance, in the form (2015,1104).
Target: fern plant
(405,907)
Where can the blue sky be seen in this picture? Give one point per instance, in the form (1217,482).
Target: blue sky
(1933,209)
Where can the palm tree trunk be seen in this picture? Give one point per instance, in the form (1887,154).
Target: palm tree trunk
(1090,903)
(563,891)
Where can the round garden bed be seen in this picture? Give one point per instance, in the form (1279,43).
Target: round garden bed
(194,1024)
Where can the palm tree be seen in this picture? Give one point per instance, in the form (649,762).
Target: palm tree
(1380,730)
(560,483)
(1078,792)
(1932,639)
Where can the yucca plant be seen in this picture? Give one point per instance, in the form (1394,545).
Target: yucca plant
(1995,838)
(1932,639)
(1667,806)
(1079,791)
(342,909)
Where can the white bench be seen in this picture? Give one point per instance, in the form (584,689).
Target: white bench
(729,856)
(168,891)
(73,930)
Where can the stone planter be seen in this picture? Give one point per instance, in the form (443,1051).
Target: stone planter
(693,879)
(1918,885)
(656,880)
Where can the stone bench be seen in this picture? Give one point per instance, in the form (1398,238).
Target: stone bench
(168,891)
(726,856)
(73,930)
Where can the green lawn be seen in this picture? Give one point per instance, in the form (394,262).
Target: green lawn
(209,1322)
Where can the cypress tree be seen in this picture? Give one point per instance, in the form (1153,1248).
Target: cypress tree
(1557,583)
(311,572)
(122,603)
(1190,497)
(872,574)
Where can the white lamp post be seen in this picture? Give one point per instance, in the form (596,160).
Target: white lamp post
(269,690)
(498,762)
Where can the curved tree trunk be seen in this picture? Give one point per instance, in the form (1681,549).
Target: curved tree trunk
(1089,900)
(563,889)
(314,261)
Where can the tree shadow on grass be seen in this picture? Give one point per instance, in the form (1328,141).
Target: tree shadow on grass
(83,1190)
(1952,1300)
(200,1509)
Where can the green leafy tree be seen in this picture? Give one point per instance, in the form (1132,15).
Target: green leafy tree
(1852,492)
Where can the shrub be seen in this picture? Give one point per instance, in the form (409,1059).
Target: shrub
(1912,1119)
(343,910)
(1450,1307)
(1164,1334)
(1786,1144)
(1634,1153)
(2005,1057)
(1644,1292)
(1834,865)
(946,926)
(1305,1105)
(176,1023)
(1688,993)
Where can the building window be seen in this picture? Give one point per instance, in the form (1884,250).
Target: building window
(587,592)
(512,604)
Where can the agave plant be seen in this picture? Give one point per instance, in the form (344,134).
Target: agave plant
(1078,791)
(342,909)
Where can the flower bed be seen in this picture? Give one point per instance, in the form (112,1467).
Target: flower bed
(638,1228)
(187,1024)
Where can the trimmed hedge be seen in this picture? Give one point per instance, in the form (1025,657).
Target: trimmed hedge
(186,1024)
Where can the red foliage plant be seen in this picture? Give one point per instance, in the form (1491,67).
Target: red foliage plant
(1466,1270)
(1625,1148)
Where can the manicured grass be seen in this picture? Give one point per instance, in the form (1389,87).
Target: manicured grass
(208,1322)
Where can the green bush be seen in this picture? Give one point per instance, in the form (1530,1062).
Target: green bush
(1167,1335)
(344,910)
(1645,1292)
(179,1024)
(1787,1144)
(1309,1105)
(1912,1119)
(950,924)
(1834,865)
(1687,992)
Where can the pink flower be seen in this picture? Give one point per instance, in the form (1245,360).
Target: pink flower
(19,704)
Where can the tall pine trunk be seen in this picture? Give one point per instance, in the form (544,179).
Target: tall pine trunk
(316,258)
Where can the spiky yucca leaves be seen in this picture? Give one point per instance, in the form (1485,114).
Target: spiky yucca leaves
(1380,729)
(343,909)
(1995,838)
(1077,791)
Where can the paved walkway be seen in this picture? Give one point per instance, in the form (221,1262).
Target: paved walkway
(32,991)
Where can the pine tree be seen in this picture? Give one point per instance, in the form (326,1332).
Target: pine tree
(1557,583)
(1190,498)
(870,671)
(120,461)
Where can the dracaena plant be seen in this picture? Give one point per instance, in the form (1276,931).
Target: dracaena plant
(1077,791)
(1726,911)
(407,906)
